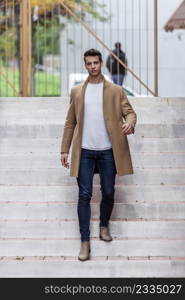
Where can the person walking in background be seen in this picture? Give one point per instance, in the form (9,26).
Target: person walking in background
(116,69)
(98,120)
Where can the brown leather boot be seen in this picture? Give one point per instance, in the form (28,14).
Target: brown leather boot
(84,251)
(105,235)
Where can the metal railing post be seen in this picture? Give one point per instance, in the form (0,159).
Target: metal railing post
(156,47)
(25,48)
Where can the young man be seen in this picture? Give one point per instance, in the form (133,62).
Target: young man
(95,124)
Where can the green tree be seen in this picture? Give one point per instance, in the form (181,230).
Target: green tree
(46,26)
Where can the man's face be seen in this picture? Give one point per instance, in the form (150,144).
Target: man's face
(93,65)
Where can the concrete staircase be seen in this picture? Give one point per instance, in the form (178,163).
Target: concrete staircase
(39,234)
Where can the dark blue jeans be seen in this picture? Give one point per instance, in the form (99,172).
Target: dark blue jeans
(104,160)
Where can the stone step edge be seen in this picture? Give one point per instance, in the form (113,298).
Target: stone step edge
(95,220)
(135,185)
(92,239)
(60,123)
(94,185)
(62,258)
(58,138)
(35,168)
(56,154)
(52,154)
(94,202)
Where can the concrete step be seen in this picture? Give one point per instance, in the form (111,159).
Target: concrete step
(50,160)
(52,145)
(157,101)
(52,114)
(61,211)
(54,129)
(53,108)
(123,194)
(70,267)
(57,176)
(69,229)
(54,211)
(64,247)
(135,101)
(35,99)
(38,103)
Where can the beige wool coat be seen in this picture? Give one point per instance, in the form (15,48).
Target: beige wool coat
(116,110)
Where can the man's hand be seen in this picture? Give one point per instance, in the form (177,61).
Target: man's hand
(64,160)
(127,129)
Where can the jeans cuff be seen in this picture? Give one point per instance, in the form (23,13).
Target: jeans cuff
(103,225)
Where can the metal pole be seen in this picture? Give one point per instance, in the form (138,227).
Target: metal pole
(25,48)
(156,46)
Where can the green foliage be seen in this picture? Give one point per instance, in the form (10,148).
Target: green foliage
(45,38)
(46,84)
(92,7)
(7,45)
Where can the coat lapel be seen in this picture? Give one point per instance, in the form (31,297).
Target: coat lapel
(106,95)
(81,104)
(81,107)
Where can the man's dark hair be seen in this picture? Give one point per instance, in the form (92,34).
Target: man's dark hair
(118,45)
(93,52)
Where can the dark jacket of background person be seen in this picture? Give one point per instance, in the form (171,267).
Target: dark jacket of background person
(113,65)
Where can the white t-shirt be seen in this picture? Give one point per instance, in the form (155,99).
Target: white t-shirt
(95,135)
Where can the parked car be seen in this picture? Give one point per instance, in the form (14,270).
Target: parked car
(77,78)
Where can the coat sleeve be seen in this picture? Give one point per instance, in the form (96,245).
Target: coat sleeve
(127,111)
(69,126)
